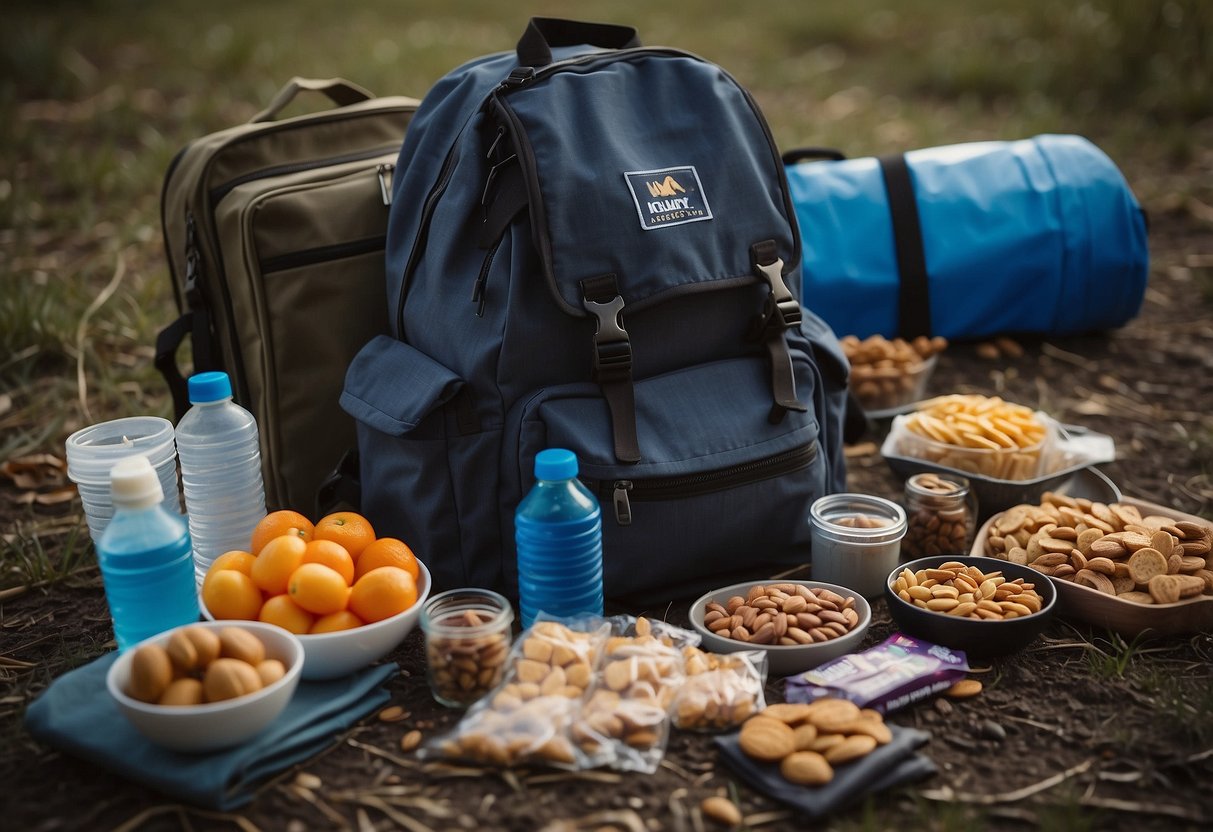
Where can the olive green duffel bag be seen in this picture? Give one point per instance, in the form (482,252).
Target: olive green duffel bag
(275,232)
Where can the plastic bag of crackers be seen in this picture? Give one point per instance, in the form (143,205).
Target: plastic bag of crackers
(625,723)
(721,691)
(527,719)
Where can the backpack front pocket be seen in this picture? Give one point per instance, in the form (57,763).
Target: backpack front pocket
(398,396)
(720,493)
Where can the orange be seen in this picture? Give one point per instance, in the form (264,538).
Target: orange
(332,555)
(278,523)
(351,530)
(335,621)
(276,561)
(382,593)
(318,588)
(237,560)
(387,551)
(288,615)
(229,593)
(240,561)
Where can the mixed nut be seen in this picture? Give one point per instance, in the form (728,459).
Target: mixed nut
(964,591)
(783,614)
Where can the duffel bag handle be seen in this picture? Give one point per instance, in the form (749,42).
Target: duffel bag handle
(542,33)
(802,154)
(340,91)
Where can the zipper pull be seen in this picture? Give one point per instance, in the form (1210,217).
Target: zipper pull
(623,506)
(385,172)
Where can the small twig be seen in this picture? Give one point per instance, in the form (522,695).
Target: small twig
(565,776)
(321,806)
(679,770)
(1167,809)
(1051,729)
(399,818)
(763,818)
(946,794)
(82,329)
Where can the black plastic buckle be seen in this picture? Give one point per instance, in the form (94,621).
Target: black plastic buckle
(518,76)
(780,310)
(612,347)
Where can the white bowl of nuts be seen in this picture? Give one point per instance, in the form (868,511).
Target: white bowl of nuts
(889,376)
(206,686)
(799,625)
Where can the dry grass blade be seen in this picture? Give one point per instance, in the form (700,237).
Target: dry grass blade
(322,807)
(677,769)
(400,818)
(626,818)
(82,329)
(565,777)
(379,752)
(178,809)
(947,795)
(1136,807)
(364,821)
(763,818)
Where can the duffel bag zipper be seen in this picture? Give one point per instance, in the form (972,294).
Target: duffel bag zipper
(220,191)
(322,254)
(623,492)
(522,77)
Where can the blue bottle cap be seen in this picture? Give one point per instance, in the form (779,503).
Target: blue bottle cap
(555,464)
(209,387)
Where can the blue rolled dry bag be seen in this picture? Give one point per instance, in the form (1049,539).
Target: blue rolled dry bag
(969,240)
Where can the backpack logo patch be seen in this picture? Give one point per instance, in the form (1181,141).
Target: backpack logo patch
(667,197)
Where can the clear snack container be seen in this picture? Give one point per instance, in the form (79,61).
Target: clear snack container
(1011,464)
(467,641)
(887,391)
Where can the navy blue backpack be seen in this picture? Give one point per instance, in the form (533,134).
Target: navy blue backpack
(592,246)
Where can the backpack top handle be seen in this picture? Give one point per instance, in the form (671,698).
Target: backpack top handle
(543,33)
(340,91)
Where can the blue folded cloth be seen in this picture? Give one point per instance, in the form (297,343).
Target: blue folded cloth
(890,765)
(77,715)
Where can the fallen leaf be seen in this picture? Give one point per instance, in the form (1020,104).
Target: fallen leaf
(59,495)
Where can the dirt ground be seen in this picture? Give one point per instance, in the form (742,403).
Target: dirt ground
(1079,731)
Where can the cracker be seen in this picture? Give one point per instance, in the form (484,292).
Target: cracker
(806,768)
(1145,564)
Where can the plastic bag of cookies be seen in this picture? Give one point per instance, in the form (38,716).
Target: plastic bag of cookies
(721,690)
(624,724)
(527,719)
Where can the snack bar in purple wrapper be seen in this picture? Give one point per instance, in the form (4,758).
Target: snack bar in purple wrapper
(891,675)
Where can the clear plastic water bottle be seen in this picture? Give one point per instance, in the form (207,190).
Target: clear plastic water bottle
(558,532)
(220,470)
(146,562)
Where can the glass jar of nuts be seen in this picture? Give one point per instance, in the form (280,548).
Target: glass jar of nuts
(941,515)
(467,641)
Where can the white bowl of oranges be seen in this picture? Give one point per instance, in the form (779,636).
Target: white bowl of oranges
(349,596)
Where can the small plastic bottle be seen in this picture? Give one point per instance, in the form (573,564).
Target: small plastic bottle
(220,458)
(145,557)
(558,532)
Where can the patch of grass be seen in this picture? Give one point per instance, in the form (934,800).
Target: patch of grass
(1183,704)
(1113,659)
(1065,812)
(29,558)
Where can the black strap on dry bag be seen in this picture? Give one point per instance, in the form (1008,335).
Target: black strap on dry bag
(914,297)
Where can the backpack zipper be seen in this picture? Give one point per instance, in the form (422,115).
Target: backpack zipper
(478,296)
(423,228)
(220,191)
(624,492)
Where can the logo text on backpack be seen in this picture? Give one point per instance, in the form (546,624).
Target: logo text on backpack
(669,196)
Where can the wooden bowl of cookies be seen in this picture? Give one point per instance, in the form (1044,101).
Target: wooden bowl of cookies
(1107,564)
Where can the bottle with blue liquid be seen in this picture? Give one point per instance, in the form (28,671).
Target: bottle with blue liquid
(146,560)
(558,532)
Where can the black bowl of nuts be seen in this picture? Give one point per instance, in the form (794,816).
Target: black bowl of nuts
(984,606)
(799,625)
